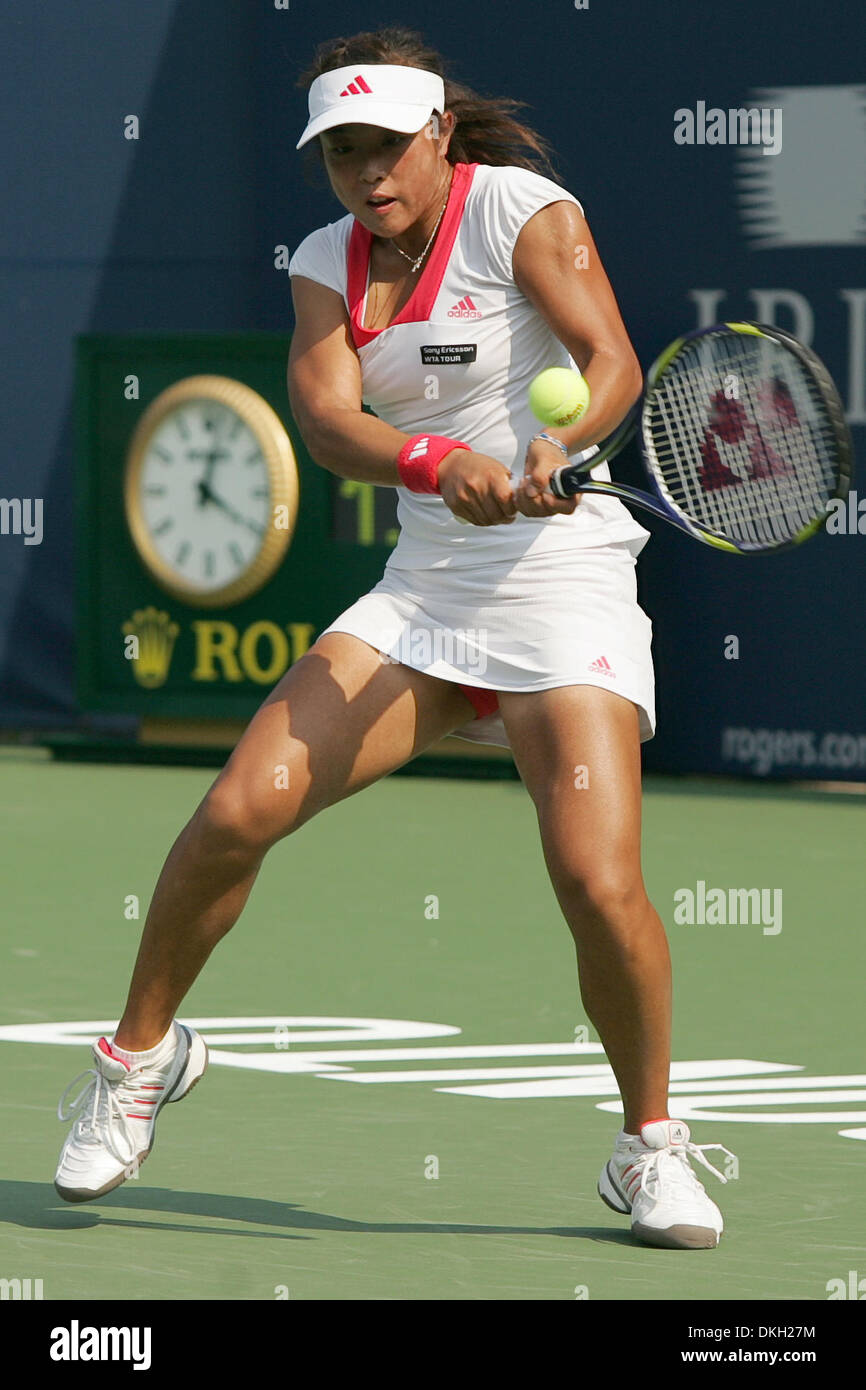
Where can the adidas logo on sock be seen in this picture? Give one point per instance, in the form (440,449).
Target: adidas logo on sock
(355,88)
(602,667)
(464,309)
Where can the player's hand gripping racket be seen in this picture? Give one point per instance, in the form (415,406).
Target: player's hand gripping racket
(743,436)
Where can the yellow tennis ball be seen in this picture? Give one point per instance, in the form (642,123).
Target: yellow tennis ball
(558,396)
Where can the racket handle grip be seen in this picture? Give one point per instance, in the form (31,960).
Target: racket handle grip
(565,480)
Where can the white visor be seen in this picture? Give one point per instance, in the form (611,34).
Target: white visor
(383,94)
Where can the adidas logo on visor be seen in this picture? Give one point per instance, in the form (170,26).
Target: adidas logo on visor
(355,88)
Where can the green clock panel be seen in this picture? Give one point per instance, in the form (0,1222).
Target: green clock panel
(143,651)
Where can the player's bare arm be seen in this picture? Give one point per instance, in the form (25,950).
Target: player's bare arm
(581,309)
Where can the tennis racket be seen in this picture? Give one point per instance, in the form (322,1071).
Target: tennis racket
(743,436)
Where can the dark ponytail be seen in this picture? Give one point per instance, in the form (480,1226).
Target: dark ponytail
(485,131)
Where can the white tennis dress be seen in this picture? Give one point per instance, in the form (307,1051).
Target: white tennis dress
(530,605)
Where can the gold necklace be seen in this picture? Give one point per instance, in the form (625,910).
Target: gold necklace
(416,260)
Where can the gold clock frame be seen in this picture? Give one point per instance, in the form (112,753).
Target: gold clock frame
(282,466)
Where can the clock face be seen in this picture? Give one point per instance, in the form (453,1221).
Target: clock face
(205,494)
(201,494)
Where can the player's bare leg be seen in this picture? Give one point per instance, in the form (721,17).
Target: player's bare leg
(338,720)
(591,840)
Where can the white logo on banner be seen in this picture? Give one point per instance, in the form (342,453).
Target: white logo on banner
(813,193)
(733,1090)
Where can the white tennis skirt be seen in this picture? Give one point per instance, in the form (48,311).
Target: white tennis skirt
(566,617)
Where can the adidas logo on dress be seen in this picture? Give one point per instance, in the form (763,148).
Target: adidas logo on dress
(464,309)
(602,667)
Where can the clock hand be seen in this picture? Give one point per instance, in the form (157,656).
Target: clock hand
(206,494)
(212,456)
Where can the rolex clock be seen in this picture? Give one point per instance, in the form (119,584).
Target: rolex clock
(211,548)
(210,490)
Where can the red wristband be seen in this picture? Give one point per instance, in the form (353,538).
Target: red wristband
(418,460)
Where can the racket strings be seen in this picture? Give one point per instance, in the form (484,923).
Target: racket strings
(725,464)
(741,438)
(733,474)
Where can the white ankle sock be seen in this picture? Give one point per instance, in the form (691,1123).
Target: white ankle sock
(163,1048)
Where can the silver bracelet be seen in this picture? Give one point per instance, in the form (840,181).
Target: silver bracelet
(551,439)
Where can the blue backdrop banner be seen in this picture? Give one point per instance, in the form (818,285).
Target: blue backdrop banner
(152,186)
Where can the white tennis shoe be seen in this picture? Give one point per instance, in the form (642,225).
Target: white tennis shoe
(115,1112)
(651,1179)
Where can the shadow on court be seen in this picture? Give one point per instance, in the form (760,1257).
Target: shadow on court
(37,1207)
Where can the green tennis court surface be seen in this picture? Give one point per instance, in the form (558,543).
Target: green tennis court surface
(304,1164)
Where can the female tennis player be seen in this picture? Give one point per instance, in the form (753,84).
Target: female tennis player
(459,271)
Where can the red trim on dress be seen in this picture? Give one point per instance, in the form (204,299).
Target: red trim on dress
(419,305)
